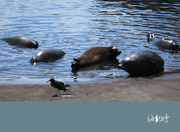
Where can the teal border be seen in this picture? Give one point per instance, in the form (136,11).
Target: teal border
(87,116)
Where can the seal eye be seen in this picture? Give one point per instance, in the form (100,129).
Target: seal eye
(115,52)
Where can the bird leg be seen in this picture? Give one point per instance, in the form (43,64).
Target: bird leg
(57,92)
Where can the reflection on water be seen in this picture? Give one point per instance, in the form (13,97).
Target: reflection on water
(76,25)
(63,95)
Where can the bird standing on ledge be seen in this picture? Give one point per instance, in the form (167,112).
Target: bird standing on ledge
(59,85)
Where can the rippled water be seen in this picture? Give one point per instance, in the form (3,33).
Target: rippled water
(77,25)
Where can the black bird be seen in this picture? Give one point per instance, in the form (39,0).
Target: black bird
(59,85)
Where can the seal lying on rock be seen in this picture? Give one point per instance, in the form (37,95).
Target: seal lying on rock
(163,43)
(21,41)
(143,63)
(95,55)
(47,55)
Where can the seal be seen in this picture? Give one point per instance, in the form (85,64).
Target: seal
(47,55)
(142,63)
(95,55)
(163,43)
(21,42)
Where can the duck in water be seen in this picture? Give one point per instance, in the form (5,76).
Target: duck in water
(59,85)
(163,43)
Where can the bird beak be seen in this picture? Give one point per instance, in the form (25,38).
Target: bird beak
(48,81)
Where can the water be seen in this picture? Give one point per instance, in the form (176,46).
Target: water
(77,25)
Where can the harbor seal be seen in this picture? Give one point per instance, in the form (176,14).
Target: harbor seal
(163,43)
(142,63)
(21,41)
(95,55)
(47,55)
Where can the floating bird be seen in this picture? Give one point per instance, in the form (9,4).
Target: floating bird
(59,85)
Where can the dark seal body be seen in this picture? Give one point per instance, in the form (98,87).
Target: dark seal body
(47,55)
(95,55)
(163,43)
(21,41)
(143,63)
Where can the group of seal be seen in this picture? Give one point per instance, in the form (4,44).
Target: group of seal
(143,63)
(140,64)
(46,55)
(147,62)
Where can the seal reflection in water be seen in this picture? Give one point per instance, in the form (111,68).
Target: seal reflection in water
(95,55)
(163,43)
(21,41)
(47,55)
(143,63)
(59,85)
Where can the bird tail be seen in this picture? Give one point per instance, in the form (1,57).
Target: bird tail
(67,85)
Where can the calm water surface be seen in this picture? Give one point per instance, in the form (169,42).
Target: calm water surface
(77,25)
